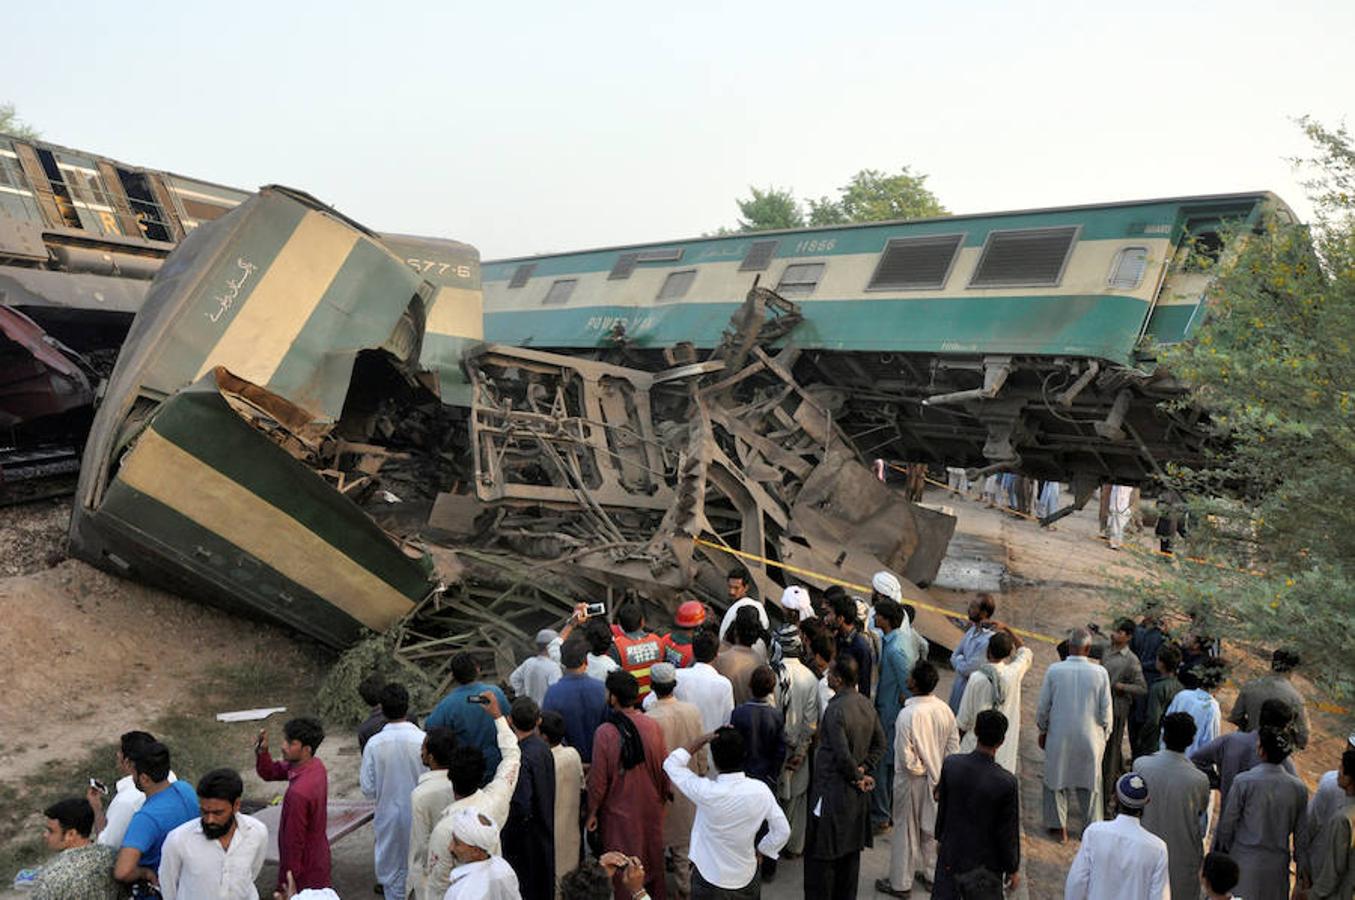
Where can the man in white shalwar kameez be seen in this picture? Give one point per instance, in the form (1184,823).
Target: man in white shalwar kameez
(481,875)
(1074,718)
(1121,509)
(924,735)
(1008,662)
(392,762)
(1120,859)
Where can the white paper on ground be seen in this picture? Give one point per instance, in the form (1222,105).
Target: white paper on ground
(249,715)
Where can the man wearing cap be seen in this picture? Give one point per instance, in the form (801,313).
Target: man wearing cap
(1246,714)
(681,724)
(480,874)
(896,664)
(702,685)
(537,673)
(1180,794)
(1120,859)
(795,608)
(677,643)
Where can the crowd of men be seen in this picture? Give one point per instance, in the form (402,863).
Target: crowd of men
(785,729)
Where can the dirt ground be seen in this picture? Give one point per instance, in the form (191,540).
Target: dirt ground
(92,655)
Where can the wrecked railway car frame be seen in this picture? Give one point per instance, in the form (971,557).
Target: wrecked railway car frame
(304,426)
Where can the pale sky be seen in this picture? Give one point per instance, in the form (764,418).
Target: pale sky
(537,127)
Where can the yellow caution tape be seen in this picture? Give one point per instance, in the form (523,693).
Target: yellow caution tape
(862,588)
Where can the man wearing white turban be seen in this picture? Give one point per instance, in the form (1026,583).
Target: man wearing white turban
(480,875)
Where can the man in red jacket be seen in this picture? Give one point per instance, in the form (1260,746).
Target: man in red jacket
(303,844)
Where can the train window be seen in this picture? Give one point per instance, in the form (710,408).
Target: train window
(800,279)
(759,256)
(16,196)
(676,285)
(80,193)
(198,201)
(1029,257)
(141,198)
(916,263)
(1127,270)
(559,292)
(521,275)
(625,264)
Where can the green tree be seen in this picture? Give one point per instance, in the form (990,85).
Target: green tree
(873,196)
(870,196)
(11,124)
(770,209)
(1274,363)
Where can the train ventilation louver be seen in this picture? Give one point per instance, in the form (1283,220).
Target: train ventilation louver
(676,286)
(521,275)
(1031,257)
(913,263)
(559,292)
(759,256)
(625,264)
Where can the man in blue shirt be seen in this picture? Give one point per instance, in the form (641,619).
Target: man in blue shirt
(896,663)
(579,698)
(973,650)
(168,805)
(459,712)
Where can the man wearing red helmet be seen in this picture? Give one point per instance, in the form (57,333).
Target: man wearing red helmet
(677,643)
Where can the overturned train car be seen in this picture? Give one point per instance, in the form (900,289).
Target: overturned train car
(304,424)
(1016,341)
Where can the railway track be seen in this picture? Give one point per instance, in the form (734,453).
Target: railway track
(37,473)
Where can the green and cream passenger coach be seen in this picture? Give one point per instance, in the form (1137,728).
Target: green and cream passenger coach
(272,342)
(1017,340)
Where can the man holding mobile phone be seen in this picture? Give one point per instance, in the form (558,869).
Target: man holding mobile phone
(458,711)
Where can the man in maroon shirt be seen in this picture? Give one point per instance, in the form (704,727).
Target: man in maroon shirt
(303,845)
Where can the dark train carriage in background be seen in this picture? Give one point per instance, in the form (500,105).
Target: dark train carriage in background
(81,237)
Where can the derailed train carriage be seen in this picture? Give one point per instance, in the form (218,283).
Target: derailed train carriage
(1022,341)
(81,237)
(303,424)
